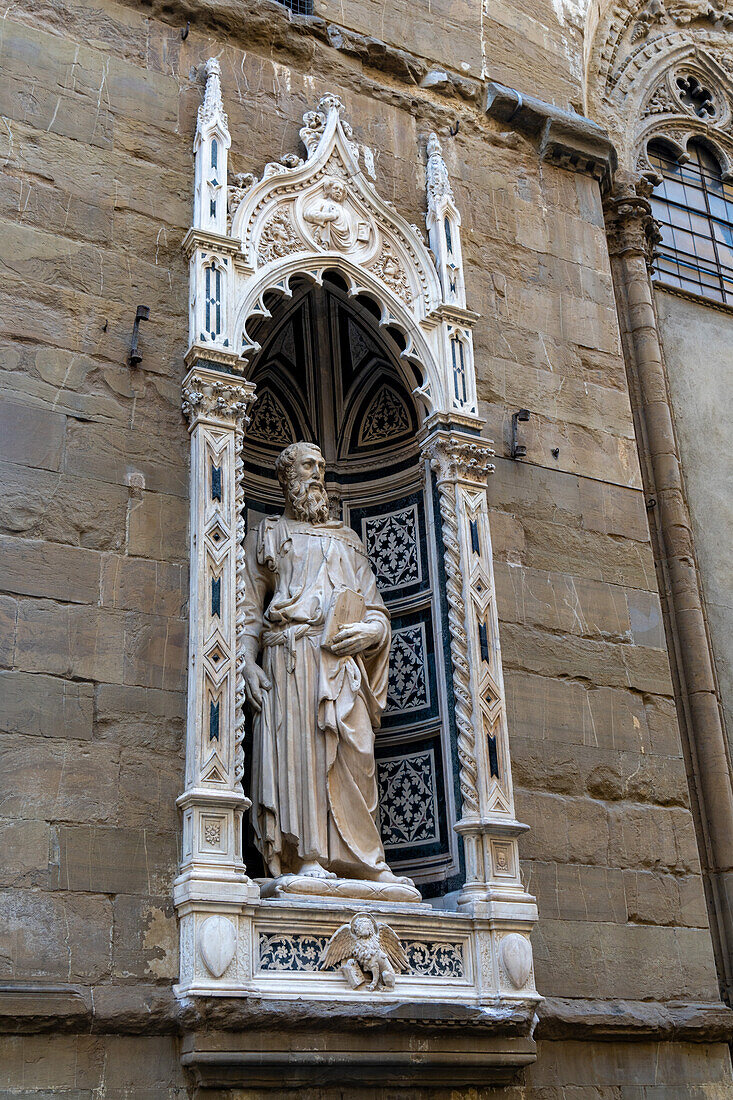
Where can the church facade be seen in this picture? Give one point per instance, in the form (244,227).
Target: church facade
(479,259)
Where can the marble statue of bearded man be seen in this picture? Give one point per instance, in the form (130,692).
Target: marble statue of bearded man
(317,701)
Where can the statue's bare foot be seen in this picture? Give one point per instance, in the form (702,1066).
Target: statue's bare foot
(388,876)
(314,870)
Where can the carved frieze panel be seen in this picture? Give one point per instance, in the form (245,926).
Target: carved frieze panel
(297,953)
(291,953)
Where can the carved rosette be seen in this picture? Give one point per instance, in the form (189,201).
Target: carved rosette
(279,238)
(389,269)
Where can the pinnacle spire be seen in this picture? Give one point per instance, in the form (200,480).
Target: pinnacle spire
(212,107)
(438,180)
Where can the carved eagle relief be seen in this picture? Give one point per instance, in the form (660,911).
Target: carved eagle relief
(366,947)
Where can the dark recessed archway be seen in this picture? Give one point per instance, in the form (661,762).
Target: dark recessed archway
(328,372)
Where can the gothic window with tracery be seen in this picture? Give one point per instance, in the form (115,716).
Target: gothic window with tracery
(694,207)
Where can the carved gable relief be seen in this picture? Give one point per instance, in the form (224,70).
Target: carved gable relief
(313,216)
(326,205)
(662,68)
(334,221)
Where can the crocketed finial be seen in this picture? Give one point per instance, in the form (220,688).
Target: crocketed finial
(212,106)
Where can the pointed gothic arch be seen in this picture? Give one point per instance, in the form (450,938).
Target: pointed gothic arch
(636,51)
(351,380)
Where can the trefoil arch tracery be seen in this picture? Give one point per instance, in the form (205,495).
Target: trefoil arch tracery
(660,77)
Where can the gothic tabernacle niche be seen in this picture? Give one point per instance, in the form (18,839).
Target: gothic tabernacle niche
(327,373)
(318,314)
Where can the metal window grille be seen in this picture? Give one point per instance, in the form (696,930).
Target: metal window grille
(299,7)
(694,208)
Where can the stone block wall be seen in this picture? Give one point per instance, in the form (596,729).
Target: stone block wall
(698,361)
(99,104)
(94,512)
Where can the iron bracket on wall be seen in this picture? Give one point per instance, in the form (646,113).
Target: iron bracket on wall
(518,450)
(142,314)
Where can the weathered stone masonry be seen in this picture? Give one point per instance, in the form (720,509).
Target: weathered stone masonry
(99,110)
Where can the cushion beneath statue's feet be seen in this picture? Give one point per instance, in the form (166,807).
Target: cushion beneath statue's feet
(347,888)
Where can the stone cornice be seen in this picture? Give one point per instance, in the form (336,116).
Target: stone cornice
(564,138)
(37,1007)
(199,238)
(273,27)
(659,285)
(567,139)
(612,1021)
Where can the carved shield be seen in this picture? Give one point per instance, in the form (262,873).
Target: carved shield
(516,957)
(217,943)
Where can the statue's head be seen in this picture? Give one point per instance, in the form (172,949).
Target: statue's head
(301,470)
(334,188)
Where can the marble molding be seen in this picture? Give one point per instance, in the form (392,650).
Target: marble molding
(279,948)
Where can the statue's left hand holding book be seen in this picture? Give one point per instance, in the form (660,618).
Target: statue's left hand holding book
(346,631)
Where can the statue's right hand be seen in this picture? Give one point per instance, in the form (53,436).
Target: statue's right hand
(256,682)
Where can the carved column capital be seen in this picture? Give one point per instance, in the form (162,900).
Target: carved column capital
(455,457)
(630,224)
(213,396)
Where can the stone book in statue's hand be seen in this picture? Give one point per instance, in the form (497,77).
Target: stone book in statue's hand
(347,607)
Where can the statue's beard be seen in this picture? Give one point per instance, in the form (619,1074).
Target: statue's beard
(309,501)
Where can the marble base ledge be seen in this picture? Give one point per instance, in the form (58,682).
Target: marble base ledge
(40,1007)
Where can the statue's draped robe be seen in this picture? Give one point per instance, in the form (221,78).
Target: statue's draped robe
(314,787)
